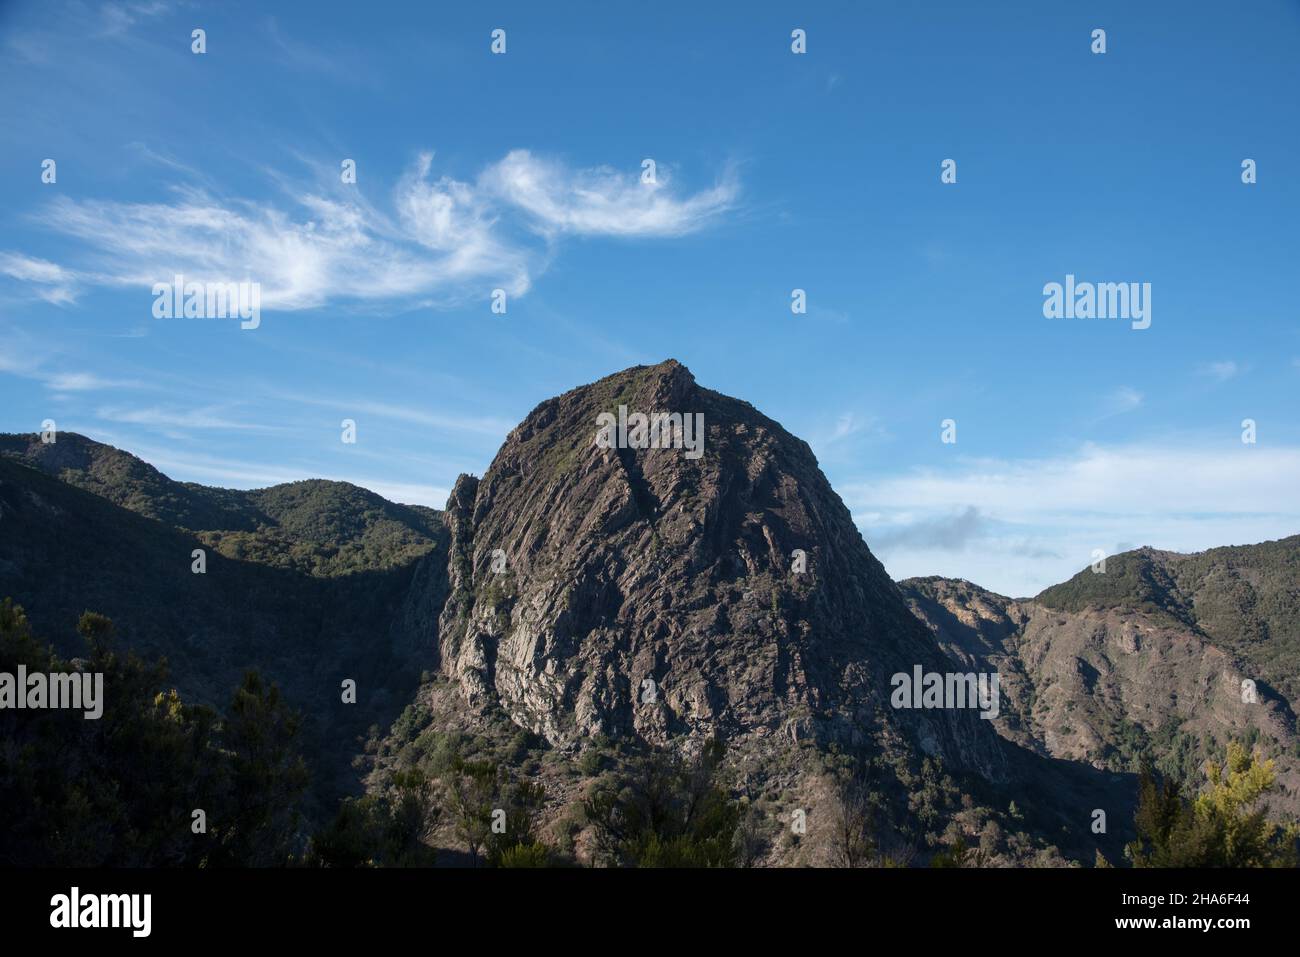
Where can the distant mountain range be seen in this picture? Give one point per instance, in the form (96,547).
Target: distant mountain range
(585,596)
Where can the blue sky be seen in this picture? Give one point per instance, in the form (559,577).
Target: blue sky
(775,171)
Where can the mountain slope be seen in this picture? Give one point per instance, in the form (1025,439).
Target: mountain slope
(318,527)
(125,480)
(64,550)
(1143,661)
(1246,599)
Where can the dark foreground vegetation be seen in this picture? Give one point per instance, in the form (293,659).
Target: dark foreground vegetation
(158,782)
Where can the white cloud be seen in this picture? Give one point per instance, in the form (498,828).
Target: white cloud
(603,201)
(1132,480)
(170,420)
(452,219)
(48,280)
(87,382)
(448,239)
(300,263)
(1040,519)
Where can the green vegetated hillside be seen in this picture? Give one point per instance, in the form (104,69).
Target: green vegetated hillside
(1245,598)
(312,589)
(321,528)
(638,658)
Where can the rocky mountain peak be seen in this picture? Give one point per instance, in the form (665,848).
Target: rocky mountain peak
(671,583)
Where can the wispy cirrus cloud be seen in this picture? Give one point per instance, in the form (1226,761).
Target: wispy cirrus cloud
(44,279)
(414,415)
(845,426)
(38,358)
(457,223)
(117,18)
(87,382)
(172,420)
(444,238)
(849,427)
(46,44)
(604,201)
(330,253)
(1121,400)
(1221,371)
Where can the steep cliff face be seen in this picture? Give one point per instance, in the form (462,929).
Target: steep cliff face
(656,593)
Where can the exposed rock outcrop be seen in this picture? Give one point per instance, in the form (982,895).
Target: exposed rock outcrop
(646,592)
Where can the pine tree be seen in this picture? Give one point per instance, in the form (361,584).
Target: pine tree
(261,823)
(1224,826)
